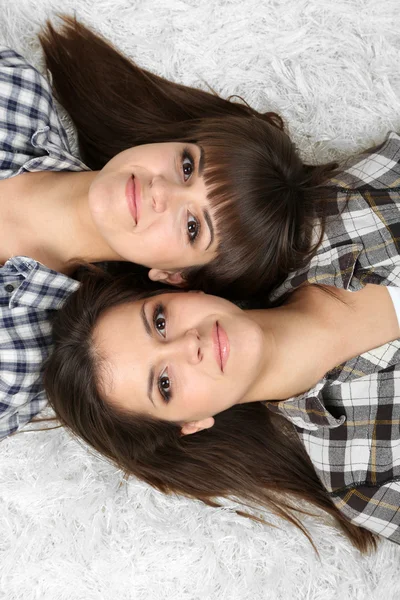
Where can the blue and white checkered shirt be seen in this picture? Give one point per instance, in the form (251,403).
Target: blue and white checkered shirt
(31,139)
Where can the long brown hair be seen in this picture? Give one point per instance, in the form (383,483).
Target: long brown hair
(249,454)
(265,198)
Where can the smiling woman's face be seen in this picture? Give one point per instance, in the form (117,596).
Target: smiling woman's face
(180,357)
(149,203)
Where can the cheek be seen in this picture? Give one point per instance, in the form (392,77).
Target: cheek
(213,396)
(122,162)
(197,399)
(161,243)
(165,228)
(204,397)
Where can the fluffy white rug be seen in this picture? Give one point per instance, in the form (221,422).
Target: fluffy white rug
(70,527)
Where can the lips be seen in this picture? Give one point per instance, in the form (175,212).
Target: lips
(133,198)
(221,345)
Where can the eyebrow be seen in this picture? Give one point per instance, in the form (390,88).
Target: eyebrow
(200,167)
(208,220)
(150,380)
(206,214)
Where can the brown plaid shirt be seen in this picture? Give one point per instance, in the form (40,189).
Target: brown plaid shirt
(350,422)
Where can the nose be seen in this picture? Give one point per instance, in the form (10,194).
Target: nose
(193,347)
(161,194)
(164,194)
(188,347)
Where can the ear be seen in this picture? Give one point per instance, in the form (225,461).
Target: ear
(195,426)
(173,278)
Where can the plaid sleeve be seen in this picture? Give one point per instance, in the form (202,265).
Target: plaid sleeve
(26,106)
(361,242)
(365,243)
(376,508)
(29,295)
(32,137)
(377,168)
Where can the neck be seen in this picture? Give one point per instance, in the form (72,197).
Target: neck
(290,363)
(314,332)
(46,216)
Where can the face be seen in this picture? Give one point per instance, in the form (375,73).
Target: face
(181,357)
(149,204)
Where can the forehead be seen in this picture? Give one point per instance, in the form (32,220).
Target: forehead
(159,151)
(125,347)
(123,328)
(116,324)
(117,337)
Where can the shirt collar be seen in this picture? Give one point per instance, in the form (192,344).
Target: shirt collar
(56,157)
(39,287)
(368,363)
(307,410)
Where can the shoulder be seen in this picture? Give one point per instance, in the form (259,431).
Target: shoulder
(377,168)
(374,507)
(11,58)
(17,72)
(32,137)
(29,295)
(17,409)
(24,282)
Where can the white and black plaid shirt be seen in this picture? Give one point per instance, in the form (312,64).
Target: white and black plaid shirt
(31,139)
(350,422)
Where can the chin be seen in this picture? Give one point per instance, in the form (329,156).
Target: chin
(97,200)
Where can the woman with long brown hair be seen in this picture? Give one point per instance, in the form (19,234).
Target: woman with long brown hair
(262,198)
(159,195)
(280,222)
(169,386)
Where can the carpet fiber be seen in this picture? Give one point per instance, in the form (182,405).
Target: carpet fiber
(71,528)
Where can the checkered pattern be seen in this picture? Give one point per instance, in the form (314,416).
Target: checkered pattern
(362,236)
(350,422)
(31,135)
(31,139)
(29,293)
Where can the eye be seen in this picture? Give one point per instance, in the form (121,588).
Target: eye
(164,385)
(193,228)
(187,164)
(159,320)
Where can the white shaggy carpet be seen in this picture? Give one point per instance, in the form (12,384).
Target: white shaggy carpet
(70,527)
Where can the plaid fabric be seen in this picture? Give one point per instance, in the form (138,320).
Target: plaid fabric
(29,293)
(31,139)
(362,235)
(350,422)
(31,135)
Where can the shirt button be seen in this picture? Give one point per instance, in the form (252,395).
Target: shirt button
(9,288)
